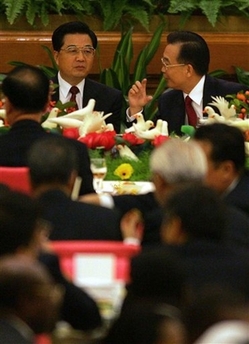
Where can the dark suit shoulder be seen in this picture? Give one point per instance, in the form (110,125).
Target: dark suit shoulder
(102,87)
(144,202)
(221,87)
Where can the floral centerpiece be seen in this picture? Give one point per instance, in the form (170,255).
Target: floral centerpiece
(234,110)
(127,154)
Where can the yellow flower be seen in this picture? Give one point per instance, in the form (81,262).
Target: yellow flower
(124,171)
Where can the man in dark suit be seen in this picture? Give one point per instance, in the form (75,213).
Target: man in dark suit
(172,163)
(74,47)
(52,178)
(185,64)
(194,229)
(26,92)
(24,234)
(29,300)
(225,151)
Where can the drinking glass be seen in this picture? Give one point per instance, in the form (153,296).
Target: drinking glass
(99,170)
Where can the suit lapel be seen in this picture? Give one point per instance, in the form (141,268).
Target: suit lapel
(89,92)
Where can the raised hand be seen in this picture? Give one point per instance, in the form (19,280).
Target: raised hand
(138,97)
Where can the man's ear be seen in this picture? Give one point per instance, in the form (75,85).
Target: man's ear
(172,233)
(160,188)
(190,69)
(7,105)
(47,103)
(56,56)
(72,179)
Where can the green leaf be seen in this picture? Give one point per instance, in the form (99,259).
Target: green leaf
(109,77)
(51,57)
(242,75)
(150,109)
(124,48)
(17,63)
(140,69)
(50,72)
(2,76)
(146,55)
(218,73)
(154,43)
(14,9)
(123,73)
(210,9)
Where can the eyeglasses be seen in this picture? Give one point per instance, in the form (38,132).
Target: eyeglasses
(74,50)
(167,65)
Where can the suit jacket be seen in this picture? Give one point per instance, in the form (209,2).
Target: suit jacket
(107,99)
(208,263)
(238,197)
(15,144)
(151,212)
(237,222)
(171,106)
(78,308)
(73,220)
(9,334)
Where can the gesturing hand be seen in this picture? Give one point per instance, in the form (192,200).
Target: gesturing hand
(137,96)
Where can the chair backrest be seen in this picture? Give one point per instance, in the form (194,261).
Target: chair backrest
(68,250)
(17,178)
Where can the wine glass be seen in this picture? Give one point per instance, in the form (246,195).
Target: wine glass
(99,170)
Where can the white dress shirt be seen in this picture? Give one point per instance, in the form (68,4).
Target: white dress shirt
(64,91)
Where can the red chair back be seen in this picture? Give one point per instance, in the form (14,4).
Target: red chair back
(17,178)
(66,250)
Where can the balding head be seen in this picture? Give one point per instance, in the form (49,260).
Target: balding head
(27,291)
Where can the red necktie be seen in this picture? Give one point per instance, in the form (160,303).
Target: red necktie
(192,117)
(74,90)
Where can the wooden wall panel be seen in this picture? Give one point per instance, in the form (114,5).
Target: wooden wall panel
(227,49)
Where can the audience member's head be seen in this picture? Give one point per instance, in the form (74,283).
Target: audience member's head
(157,278)
(193,50)
(53,162)
(147,324)
(193,212)
(27,292)
(26,91)
(211,306)
(174,163)
(226,332)
(225,151)
(20,226)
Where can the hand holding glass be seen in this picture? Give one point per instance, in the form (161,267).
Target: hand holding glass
(99,170)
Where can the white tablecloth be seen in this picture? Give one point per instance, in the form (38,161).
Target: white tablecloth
(116,187)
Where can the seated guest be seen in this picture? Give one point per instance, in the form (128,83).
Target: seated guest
(53,167)
(26,96)
(213,306)
(194,229)
(173,163)
(22,233)
(147,324)
(225,151)
(185,65)
(29,300)
(74,45)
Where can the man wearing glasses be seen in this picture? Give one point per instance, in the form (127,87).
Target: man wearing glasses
(185,64)
(74,47)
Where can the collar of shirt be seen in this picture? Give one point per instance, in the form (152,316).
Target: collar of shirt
(21,327)
(197,97)
(64,93)
(231,187)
